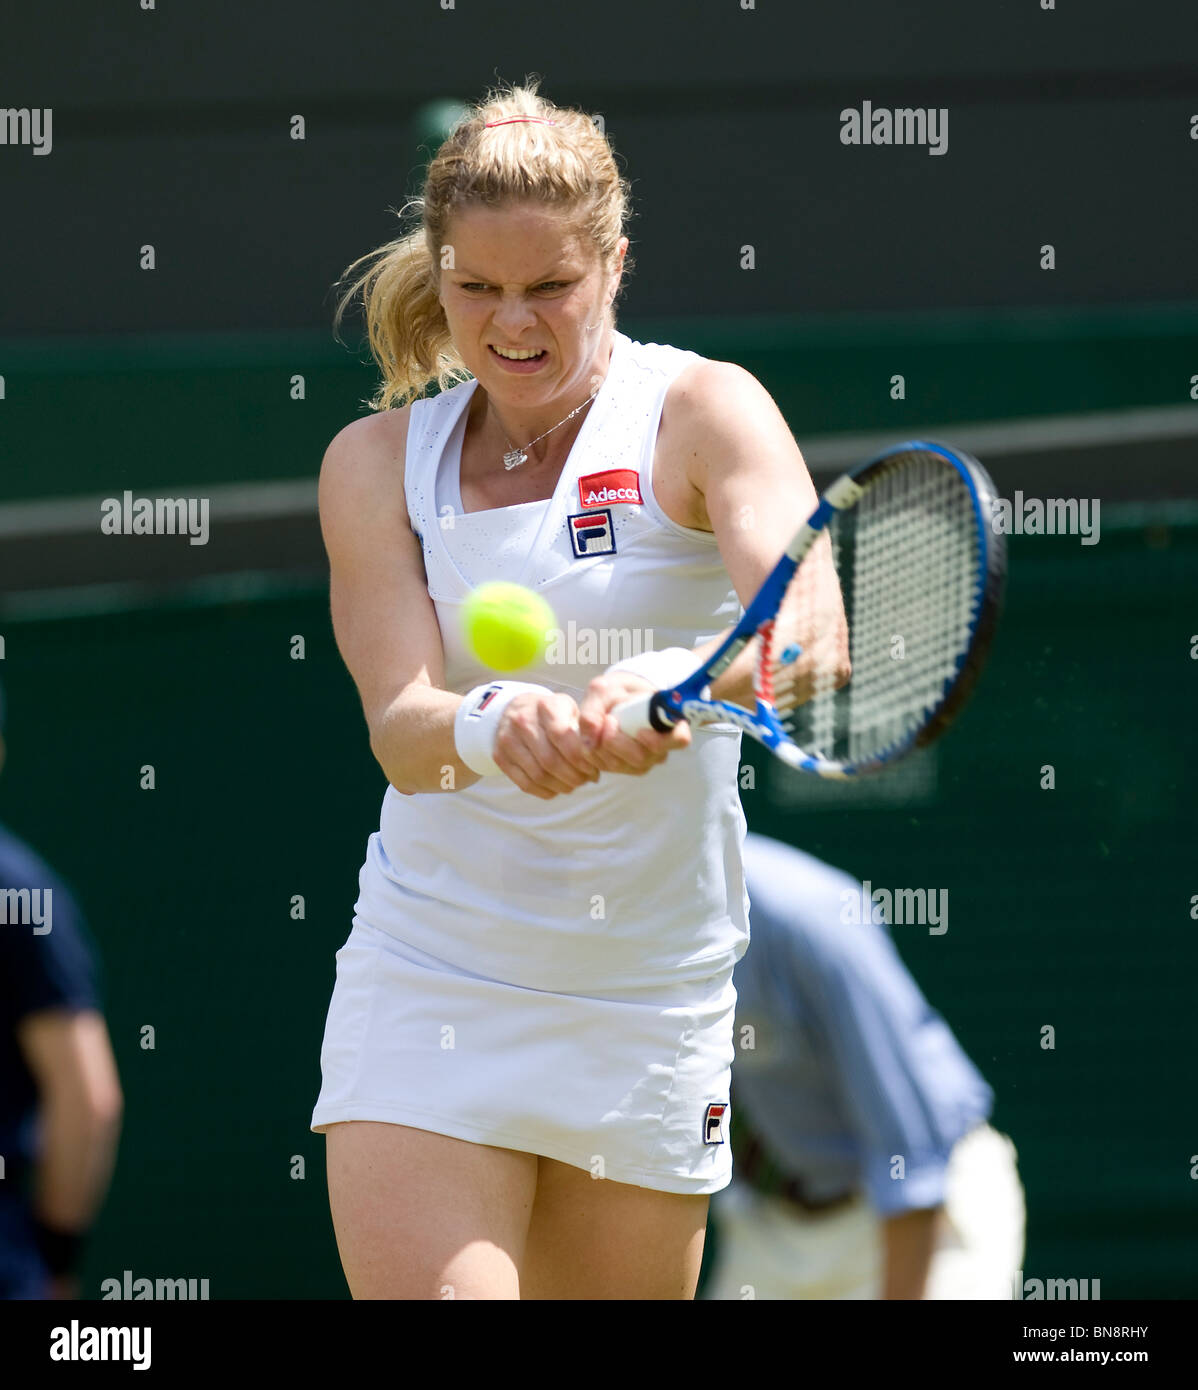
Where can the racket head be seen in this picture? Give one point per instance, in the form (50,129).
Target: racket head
(919,574)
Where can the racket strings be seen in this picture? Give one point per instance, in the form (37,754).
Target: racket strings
(912,600)
(907,568)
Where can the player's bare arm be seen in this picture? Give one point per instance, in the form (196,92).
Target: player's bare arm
(383,619)
(747,481)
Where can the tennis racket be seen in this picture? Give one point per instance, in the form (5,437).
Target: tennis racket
(872,628)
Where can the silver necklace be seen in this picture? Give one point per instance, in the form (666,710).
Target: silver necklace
(516,456)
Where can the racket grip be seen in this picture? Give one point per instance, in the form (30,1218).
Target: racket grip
(633,715)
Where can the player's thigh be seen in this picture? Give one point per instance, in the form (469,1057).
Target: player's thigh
(593,1238)
(422,1215)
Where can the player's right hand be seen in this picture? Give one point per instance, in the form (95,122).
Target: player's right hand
(539,747)
(631,754)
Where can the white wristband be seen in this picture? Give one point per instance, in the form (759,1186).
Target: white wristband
(477,722)
(661,669)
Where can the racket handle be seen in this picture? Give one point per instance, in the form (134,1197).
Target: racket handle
(633,715)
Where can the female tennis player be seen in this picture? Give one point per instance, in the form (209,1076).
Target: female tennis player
(526,1062)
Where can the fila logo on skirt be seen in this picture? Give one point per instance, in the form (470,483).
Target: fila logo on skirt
(715,1123)
(592,533)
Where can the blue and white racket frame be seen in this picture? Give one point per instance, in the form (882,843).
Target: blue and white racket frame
(691,700)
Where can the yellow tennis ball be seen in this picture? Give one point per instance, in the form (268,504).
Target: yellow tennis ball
(507,626)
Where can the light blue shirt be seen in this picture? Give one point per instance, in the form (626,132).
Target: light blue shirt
(851,1070)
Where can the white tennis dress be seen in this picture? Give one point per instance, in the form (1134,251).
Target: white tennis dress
(556,976)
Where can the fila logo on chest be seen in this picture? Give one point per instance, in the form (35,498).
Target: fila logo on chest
(592,533)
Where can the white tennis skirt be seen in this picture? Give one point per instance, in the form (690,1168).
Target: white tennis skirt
(632,1087)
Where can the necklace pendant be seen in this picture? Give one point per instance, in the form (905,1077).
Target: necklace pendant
(514,458)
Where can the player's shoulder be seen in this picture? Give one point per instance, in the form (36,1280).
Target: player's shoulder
(710,409)
(368,439)
(709,390)
(363,467)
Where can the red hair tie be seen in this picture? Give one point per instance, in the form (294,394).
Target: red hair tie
(511,120)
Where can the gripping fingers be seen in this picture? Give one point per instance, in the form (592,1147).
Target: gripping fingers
(637,755)
(540,748)
(530,775)
(566,755)
(603,714)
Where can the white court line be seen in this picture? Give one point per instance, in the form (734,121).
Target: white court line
(996,438)
(228,502)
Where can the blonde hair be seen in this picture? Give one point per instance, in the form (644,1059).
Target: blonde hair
(569,164)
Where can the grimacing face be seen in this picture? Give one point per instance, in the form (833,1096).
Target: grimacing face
(524,278)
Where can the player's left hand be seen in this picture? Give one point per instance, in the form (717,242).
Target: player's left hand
(616,751)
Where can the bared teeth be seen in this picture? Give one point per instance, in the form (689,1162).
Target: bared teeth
(517,354)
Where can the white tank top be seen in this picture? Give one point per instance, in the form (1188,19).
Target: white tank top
(628,880)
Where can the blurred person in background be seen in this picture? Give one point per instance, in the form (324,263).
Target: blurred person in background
(60,1097)
(865,1166)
